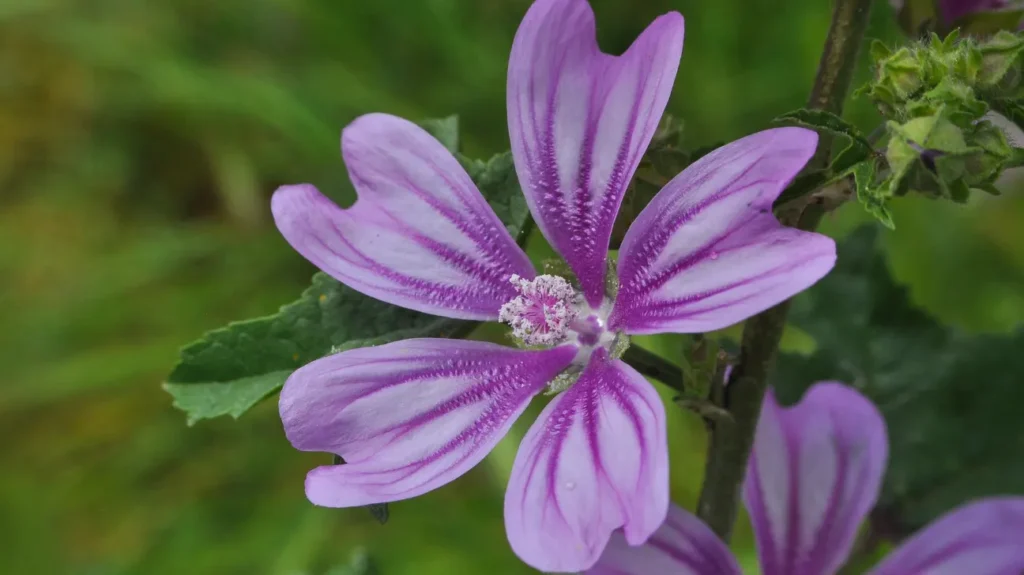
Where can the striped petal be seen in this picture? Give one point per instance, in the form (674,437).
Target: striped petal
(683,545)
(420,235)
(409,416)
(707,251)
(580,120)
(982,538)
(814,475)
(596,460)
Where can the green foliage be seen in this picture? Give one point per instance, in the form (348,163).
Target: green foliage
(446,130)
(824,121)
(935,94)
(951,400)
(231,369)
(870,195)
(664,159)
(857,150)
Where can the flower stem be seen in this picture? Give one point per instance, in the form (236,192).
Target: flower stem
(652,365)
(730,443)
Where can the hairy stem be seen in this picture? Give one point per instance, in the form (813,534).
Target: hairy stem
(652,365)
(731,441)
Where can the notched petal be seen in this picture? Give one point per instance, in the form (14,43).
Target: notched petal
(596,460)
(814,474)
(408,416)
(420,235)
(580,121)
(707,251)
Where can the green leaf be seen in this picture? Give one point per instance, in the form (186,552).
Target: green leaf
(951,400)
(210,399)
(873,198)
(663,160)
(498,182)
(231,369)
(803,185)
(1013,109)
(827,122)
(446,130)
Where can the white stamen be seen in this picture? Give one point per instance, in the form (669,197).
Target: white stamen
(541,314)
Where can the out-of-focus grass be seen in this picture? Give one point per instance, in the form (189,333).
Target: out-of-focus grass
(139,143)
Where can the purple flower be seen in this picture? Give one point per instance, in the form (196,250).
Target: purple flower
(411,416)
(814,475)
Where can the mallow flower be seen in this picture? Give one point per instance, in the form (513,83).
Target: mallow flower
(814,474)
(411,416)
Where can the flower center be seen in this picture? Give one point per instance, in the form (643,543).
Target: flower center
(548,311)
(542,312)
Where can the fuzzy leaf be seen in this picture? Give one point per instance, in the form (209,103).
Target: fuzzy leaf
(951,400)
(830,123)
(873,198)
(231,369)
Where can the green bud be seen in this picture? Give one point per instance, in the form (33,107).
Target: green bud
(993,154)
(1000,55)
(902,73)
(934,133)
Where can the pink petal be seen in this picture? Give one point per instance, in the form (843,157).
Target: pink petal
(982,538)
(683,545)
(814,475)
(707,251)
(420,235)
(408,416)
(580,120)
(596,460)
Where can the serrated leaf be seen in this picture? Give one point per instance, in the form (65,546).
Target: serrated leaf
(951,400)
(498,182)
(231,369)
(803,185)
(828,122)
(235,397)
(873,198)
(446,130)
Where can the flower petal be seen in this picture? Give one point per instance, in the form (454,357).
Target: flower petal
(814,474)
(594,461)
(982,538)
(420,235)
(707,251)
(408,416)
(683,545)
(580,121)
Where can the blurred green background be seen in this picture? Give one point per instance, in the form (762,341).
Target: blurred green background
(139,144)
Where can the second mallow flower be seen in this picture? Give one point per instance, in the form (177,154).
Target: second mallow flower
(411,416)
(815,473)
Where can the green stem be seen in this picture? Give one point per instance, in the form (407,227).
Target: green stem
(652,365)
(730,442)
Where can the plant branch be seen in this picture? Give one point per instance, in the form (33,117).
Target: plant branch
(730,443)
(652,365)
